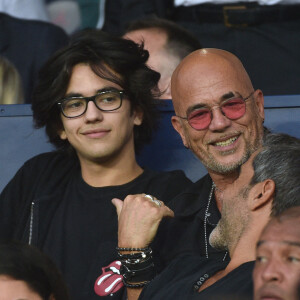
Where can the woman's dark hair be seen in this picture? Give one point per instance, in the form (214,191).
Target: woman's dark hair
(112,58)
(23,262)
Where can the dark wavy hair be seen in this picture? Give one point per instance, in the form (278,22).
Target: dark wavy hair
(26,263)
(104,53)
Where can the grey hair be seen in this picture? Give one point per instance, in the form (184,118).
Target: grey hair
(279,160)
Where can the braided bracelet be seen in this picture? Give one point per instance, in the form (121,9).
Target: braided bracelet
(137,255)
(136,285)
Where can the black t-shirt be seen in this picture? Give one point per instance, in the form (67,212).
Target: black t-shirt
(85,226)
(183,277)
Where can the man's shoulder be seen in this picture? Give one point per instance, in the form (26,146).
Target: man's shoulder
(179,277)
(50,161)
(166,185)
(193,198)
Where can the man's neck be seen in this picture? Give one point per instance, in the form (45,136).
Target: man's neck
(221,181)
(240,251)
(109,173)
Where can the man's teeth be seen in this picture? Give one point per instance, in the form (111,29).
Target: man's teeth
(227,142)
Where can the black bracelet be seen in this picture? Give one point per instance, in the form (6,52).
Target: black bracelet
(131,249)
(136,273)
(135,285)
(137,261)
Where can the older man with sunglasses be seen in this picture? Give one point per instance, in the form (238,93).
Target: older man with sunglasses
(219,116)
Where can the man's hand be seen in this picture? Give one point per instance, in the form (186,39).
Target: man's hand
(139,218)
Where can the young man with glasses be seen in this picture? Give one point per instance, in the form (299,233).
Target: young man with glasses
(95,99)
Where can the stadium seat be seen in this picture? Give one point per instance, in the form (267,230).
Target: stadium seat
(20,141)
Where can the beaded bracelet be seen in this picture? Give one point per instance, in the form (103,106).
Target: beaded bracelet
(131,249)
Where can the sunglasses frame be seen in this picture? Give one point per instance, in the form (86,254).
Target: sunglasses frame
(218,106)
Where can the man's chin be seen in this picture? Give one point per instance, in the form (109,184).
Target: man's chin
(226,166)
(216,240)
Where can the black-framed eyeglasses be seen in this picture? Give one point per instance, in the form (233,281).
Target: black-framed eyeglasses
(233,108)
(76,106)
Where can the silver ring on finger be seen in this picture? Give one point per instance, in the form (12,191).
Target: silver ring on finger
(157,202)
(153,199)
(150,197)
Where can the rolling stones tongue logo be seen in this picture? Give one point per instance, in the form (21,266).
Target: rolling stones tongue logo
(110,281)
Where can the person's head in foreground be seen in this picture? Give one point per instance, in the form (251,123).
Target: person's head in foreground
(219,114)
(26,273)
(277,269)
(268,184)
(11,88)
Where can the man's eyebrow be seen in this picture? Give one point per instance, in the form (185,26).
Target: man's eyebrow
(297,244)
(227,96)
(202,105)
(290,243)
(105,89)
(69,95)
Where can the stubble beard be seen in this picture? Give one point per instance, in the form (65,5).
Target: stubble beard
(217,238)
(232,224)
(212,164)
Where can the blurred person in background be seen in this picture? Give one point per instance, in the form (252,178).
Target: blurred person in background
(264,34)
(167,43)
(27,44)
(11,90)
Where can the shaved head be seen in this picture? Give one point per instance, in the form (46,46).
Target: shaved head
(207,78)
(206,67)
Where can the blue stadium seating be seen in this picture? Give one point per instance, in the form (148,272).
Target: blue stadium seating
(20,141)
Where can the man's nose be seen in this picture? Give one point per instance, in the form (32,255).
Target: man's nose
(272,271)
(219,121)
(92,112)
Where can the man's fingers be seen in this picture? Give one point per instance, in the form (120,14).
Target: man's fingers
(168,212)
(118,204)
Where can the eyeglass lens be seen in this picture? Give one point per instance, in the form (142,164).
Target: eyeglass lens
(107,101)
(232,109)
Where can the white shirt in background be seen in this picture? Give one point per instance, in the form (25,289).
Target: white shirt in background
(25,9)
(261,2)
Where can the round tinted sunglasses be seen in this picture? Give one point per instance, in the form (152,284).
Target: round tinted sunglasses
(233,109)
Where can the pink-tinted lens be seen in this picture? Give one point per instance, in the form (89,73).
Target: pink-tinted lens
(234,108)
(200,118)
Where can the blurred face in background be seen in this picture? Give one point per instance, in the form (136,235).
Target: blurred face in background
(160,59)
(277,270)
(12,289)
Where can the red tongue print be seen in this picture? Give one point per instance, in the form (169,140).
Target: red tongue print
(110,281)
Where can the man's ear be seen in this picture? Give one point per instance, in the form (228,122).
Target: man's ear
(179,128)
(138,117)
(262,194)
(62,134)
(259,101)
